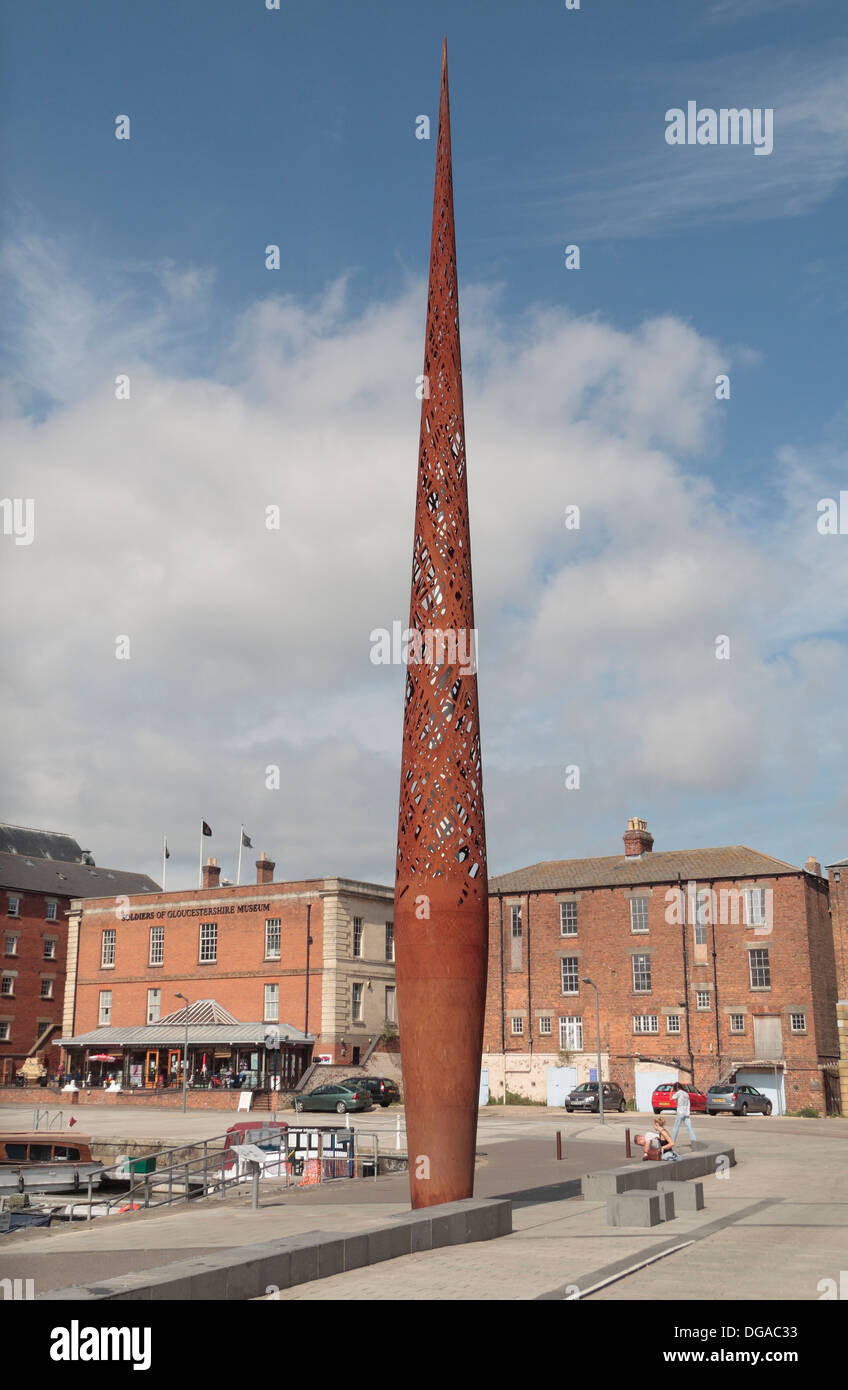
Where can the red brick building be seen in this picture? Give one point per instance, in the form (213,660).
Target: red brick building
(40,872)
(710,964)
(245,954)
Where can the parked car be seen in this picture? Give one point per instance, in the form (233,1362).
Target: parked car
(662,1099)
(381,1088)
(338,1095)
(585,1097)
(736,1100)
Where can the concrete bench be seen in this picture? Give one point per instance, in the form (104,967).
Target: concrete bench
(640,1208)
(688,1196)
(643,1176)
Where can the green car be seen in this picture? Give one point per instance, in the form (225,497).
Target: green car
(336,1097)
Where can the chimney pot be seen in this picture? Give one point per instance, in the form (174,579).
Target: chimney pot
(637,838)
(211,874)
(813,866)
(265,869)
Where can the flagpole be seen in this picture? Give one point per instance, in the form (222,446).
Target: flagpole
(238,870)
(200,860)
(164,858)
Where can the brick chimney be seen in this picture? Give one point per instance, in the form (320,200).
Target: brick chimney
(813,866)
(637,838)
(265,869)
(211,873)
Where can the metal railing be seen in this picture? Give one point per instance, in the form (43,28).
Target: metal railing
(56,1118)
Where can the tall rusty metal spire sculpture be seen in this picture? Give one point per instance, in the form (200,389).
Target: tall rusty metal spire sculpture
(441,889)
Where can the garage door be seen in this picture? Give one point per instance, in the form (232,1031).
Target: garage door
(647,1081)
(764,1081)
(560,1081)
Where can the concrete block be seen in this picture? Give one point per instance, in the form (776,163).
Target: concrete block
(688,1196)
(635,1209)
(389,1243)
(355,1252)
(304,1261)
(331,1256)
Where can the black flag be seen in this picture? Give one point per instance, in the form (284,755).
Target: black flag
(246,841)
(206,829)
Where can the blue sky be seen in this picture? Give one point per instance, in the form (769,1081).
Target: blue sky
(297,127)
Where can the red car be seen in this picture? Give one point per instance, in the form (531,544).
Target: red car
(662,1099)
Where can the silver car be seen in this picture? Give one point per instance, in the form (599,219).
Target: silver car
(736,1100)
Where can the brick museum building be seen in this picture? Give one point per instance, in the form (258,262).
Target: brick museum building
(41,871)
(269,977)
(838,877)
(710,965)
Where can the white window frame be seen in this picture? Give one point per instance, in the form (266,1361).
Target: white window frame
(13,907)
(5,1031)
(49,948)
(755,907)
(672,1023)
(643,971)
(703,900)
(104,1009)
(638,914)
(390,941)
(572,972)
(357,989)
(571,1033)
(49,985)
(516,1027)
(273,930)
(52,911)
(763,966)
(733,1023)
(358,934)
(272,1003)
(204,942)
(108,948)
(7,993)
(568,911)
(154,1005)
(546,1026)
(11,949)
(159,939)
(646,1023)
(803,1027)
(391,1013)
(702,995)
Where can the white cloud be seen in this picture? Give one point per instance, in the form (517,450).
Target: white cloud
(251,647)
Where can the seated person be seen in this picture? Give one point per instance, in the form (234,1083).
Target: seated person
(657,1144)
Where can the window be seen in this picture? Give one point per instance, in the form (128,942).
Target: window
(14,908)
(357,936)
(546,1027)
(672,1023)
(356,1003)
(208,941)
(515,920)
(104,1017)
(390,941)
(157,945)
(154,1005)
(47,989)
(702,917)
(755,907)
(517,1026)
(645,1023)
(391,1004)
(570,974)
(5,1034)
(516,931)
(7,985)
(272,1003)
(642,974)
(758,964)
(107,949)
(568,919)
(571,1033)
(638,914)
(702,999)
(50,948)
(737,1023)
(798,1023)
(272,938)
(11,945)
(52,912)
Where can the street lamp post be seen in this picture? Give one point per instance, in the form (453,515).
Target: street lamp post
(185,1050)
(587,981)
(308,944)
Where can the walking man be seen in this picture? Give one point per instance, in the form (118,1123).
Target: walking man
(683,1108)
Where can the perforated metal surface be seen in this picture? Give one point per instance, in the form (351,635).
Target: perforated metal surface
(441,892)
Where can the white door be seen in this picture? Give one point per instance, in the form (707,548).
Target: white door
(767,1085)
(560,1081)
(646,1083)
(483,1098)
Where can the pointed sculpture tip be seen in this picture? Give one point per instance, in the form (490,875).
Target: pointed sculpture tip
(444,52)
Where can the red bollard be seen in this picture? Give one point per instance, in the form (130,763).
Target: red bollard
(627,1143)
(559,1144)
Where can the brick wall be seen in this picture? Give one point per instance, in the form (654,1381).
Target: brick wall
(25,1011)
